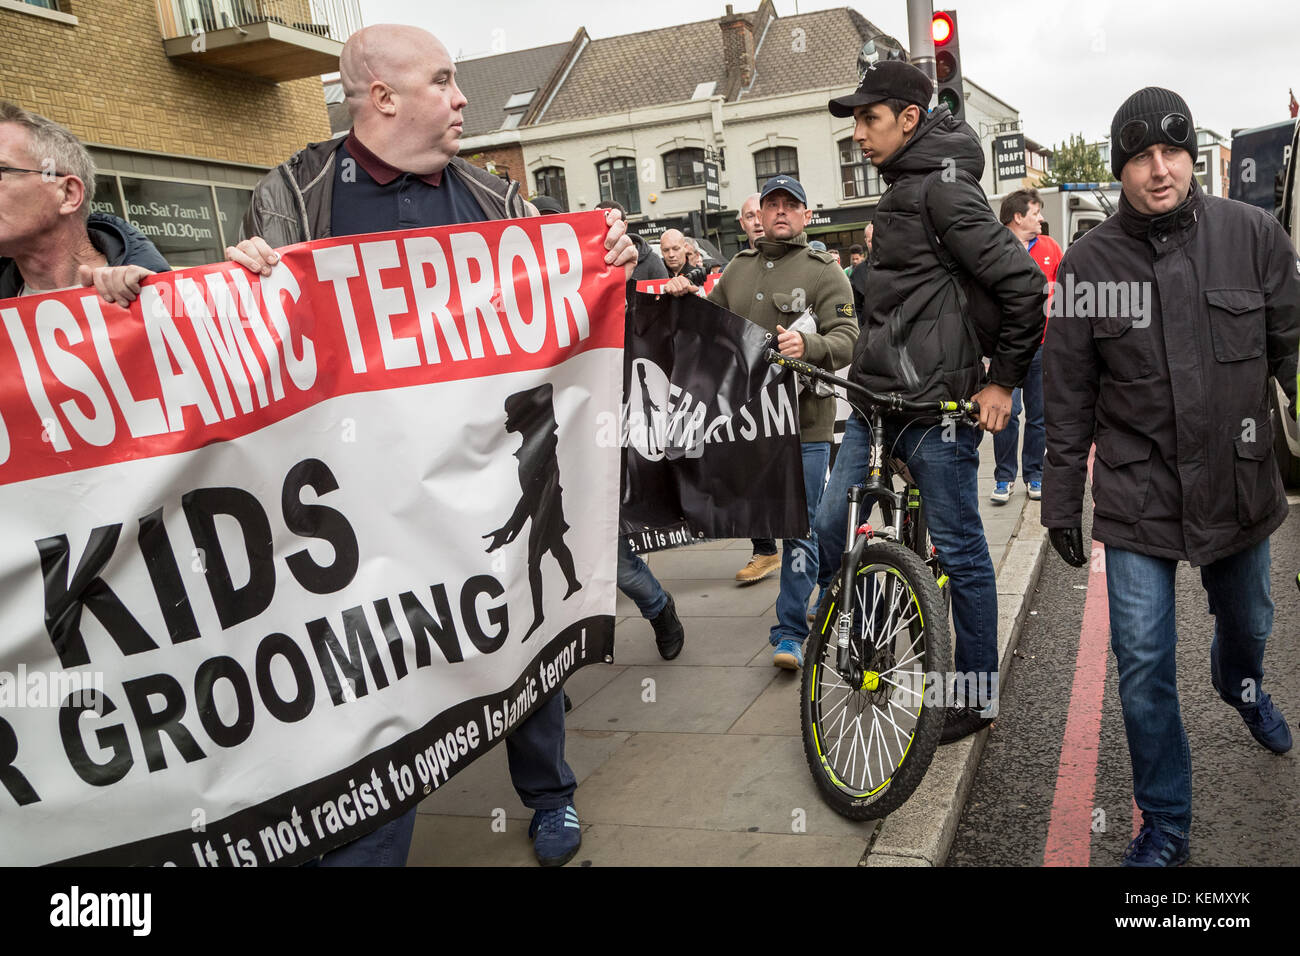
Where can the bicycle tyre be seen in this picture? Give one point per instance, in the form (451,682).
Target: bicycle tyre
(868,799)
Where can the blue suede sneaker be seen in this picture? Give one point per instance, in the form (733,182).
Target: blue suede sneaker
(556,835)
(1267,725)
(1035,490)
(1154,847)
(788,654)
(1001,493)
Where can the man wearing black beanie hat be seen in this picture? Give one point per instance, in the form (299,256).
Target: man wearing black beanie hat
(1168,322)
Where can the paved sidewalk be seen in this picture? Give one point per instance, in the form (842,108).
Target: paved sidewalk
(699,761)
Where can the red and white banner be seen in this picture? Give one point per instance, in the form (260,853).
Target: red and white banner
(280,555)
(656,286)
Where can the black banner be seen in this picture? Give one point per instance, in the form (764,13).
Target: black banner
(710,431)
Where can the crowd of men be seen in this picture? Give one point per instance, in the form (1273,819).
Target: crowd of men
(1162,395)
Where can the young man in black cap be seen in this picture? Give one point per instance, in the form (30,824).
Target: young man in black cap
(1171,381)
(916,342)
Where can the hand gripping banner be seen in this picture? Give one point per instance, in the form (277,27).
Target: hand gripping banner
(281,555)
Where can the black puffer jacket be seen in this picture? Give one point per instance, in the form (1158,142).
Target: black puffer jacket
(116,239)
(648,264)
(1175,389)
(914,338)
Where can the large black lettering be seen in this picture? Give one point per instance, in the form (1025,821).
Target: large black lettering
(11,776)
(109,738)
(423,626)
(396,651)
(152,724)
(497,615)
(333,660)
(65,598)
(234,605)
(159,558)
(285,711)
(318,521)
(209,672)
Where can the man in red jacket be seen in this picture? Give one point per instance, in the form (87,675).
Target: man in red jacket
(1022,213)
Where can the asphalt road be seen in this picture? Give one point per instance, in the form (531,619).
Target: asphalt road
(1246,800)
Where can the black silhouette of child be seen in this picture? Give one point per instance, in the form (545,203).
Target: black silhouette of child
(532,415)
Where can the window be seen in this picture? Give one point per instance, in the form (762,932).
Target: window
(683,167)
(519,101)
(47,4)
(550,182)
(858,178)
(771,162)
(617,178)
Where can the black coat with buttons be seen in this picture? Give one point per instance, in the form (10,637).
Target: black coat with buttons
(1162,338)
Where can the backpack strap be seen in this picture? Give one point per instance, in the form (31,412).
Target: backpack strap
(931,234)
(950,265)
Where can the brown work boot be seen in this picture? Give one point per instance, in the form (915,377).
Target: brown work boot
(759,567)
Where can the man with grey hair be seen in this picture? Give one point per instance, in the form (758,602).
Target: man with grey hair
(398,169)
(49,239)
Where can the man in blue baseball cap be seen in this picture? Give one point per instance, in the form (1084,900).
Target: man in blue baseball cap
(772,285)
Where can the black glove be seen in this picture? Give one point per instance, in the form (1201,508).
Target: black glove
(1068,543)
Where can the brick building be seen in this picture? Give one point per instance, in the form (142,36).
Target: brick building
(184,104)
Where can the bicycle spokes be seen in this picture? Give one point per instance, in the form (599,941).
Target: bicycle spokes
(868,710)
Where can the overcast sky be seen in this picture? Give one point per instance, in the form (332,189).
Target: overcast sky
(1066,65)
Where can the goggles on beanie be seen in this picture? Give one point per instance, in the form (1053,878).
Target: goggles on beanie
(1134,133)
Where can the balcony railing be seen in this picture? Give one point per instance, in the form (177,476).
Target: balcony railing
(273,39)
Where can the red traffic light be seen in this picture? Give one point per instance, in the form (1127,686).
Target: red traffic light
(941,28)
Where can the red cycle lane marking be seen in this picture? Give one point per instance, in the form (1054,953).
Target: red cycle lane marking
(1069,833)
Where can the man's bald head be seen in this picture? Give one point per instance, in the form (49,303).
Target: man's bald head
(672,246)
(749,218)
(400,88)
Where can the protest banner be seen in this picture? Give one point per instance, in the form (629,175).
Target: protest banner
(281,555)
(711,430)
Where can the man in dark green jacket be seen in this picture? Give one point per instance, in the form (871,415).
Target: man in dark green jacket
(772,285)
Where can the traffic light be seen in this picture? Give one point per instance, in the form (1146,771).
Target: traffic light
(947,62)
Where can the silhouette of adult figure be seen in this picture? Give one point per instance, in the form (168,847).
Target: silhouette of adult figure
(648,410)
(532,415)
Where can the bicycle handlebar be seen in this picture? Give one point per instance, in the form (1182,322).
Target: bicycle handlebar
(891,402)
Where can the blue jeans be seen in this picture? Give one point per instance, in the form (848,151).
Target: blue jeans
(535,753)
(946,473)
(386,846)
(637,581)
(1006,441)
(1141,595)
(799,555)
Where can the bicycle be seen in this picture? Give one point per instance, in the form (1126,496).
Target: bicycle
(873,658)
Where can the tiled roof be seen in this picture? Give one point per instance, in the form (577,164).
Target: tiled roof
(810,51)
(489,81)
(804,52)
(640,69)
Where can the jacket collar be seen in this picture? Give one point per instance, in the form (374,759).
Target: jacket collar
(378,170)
(776,248)
(1179,220)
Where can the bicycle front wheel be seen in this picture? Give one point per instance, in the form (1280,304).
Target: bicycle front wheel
(871,728)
